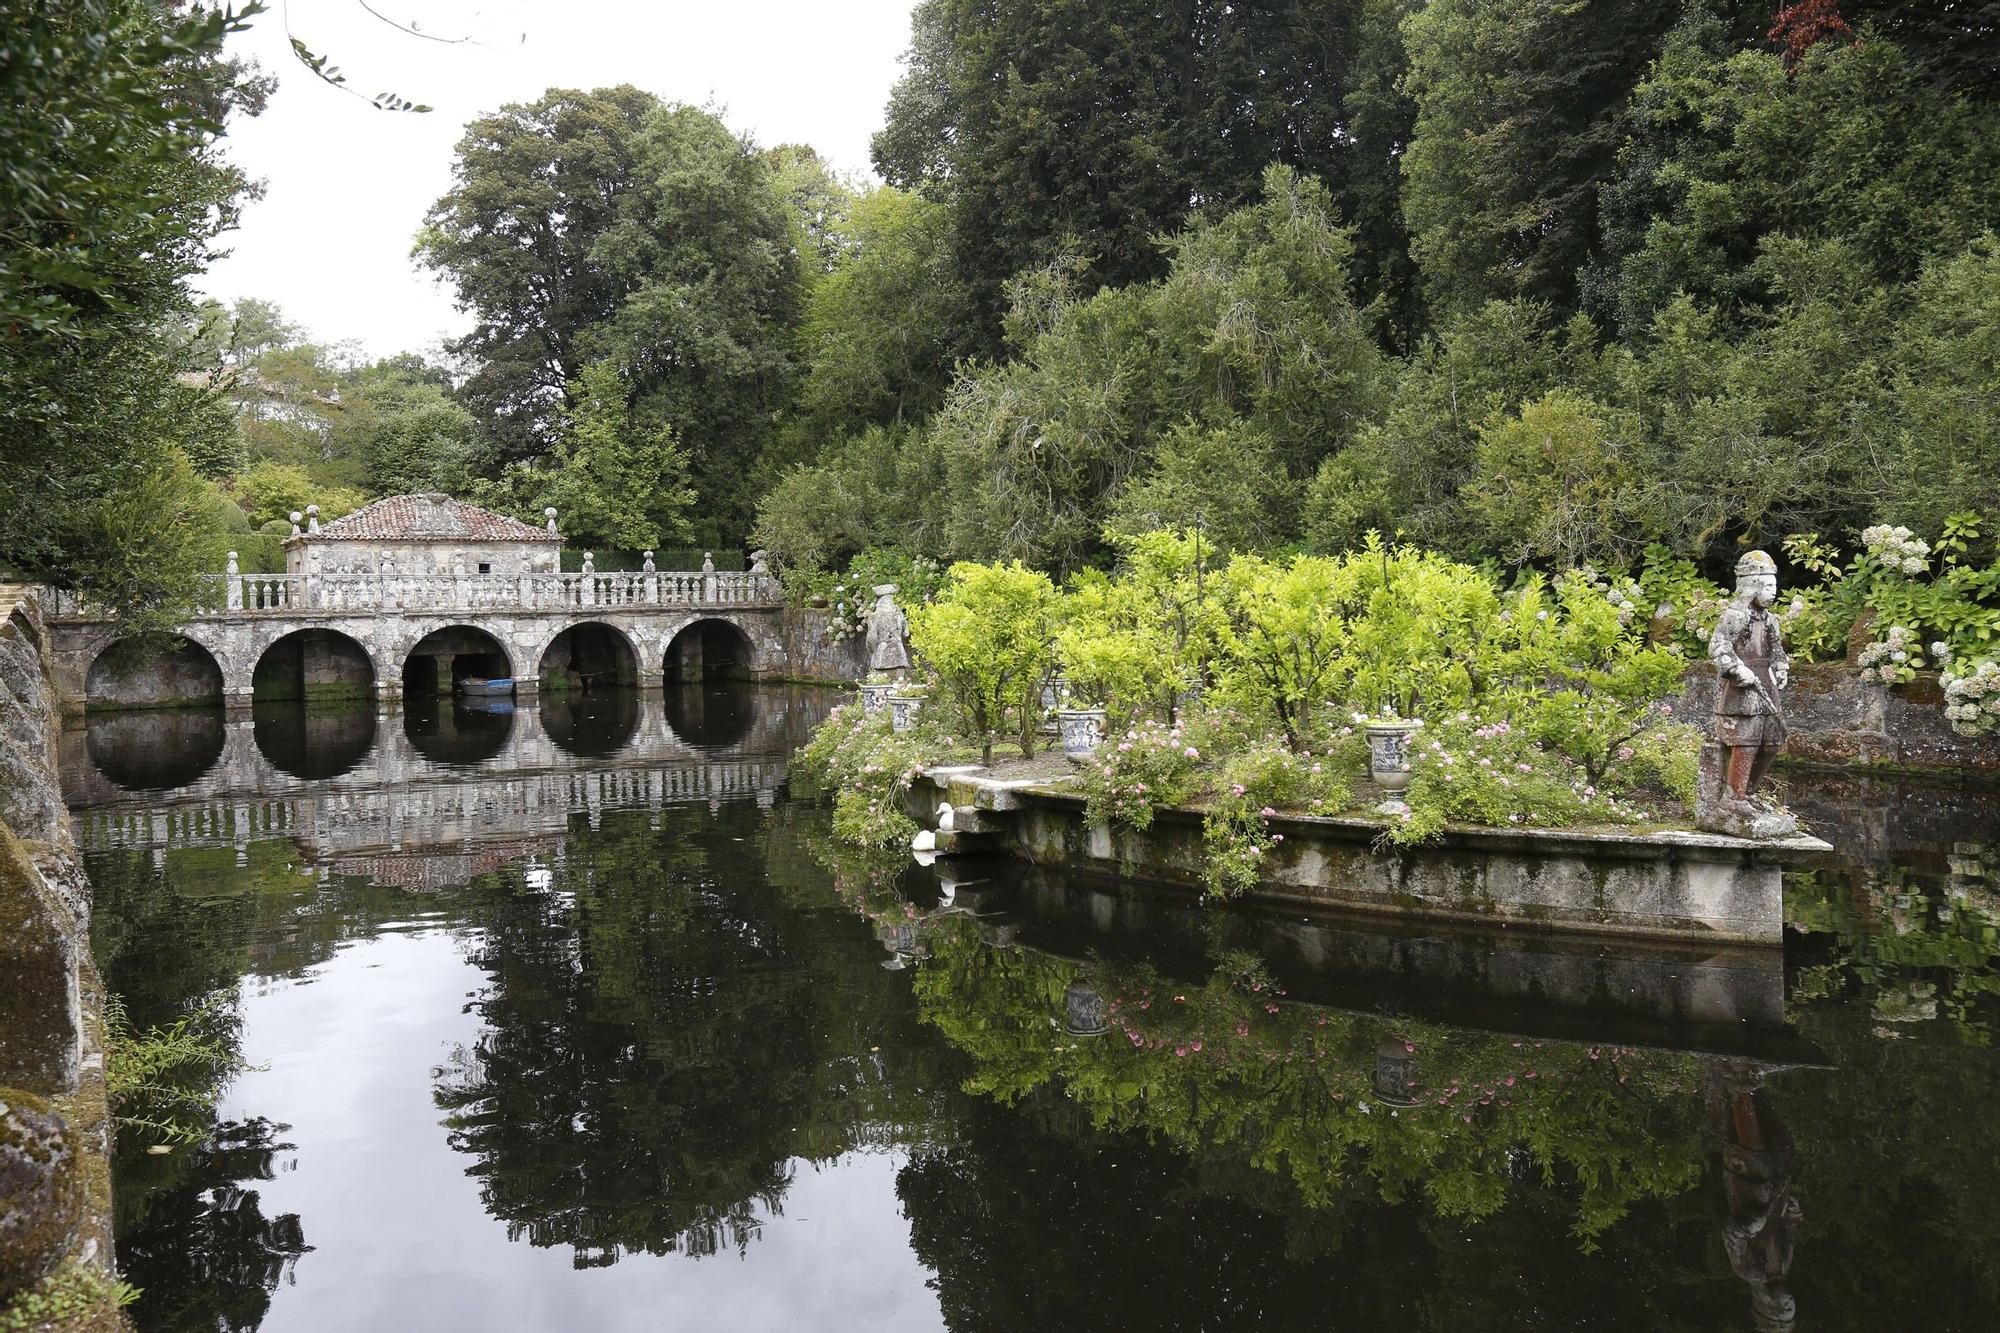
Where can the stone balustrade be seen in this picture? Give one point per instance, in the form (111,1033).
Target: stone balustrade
(232,595)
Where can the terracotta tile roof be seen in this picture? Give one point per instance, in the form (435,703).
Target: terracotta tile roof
(429,518)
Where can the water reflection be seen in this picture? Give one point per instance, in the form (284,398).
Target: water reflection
(710,713)
(155,750)
(592,723)
(543,1033)
(313,742)
(451,729)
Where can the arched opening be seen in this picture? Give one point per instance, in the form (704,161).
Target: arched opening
(586,658)
(148,673)
(709,650)
(458,730)
(457,659)
(591,724)
(313,666)
(312,743)
(157,750)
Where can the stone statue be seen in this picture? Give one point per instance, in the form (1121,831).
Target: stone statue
(888,632)
(1752,670)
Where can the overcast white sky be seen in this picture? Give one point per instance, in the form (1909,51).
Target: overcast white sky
(347,186)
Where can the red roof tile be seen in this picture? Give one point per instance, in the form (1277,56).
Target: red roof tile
(429,518)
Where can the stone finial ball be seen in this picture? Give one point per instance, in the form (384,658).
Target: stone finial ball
(549,512)
(296,516)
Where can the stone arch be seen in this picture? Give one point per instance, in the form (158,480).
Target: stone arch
(130,673)
(449,654)
(313,665)
(588,654)
(710,648)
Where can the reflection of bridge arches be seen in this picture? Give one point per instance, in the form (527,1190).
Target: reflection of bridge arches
(710,649)
(313,664)
(591,725)
(309,743)
(458,731)
(588,655)
(710,714)
(446,656)
(157,750)
(129,673)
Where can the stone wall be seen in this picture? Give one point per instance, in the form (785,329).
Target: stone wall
(55,1191)
(809,655)
(138,675)
(1831,717)
(1666,885)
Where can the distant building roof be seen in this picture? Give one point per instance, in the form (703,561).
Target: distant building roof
(429,517)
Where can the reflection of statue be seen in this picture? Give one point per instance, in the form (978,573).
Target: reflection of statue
(1750,661)
(1757,1188)
(888,630)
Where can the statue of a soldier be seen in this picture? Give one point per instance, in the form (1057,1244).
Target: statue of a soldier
(888,633)
(1752,670)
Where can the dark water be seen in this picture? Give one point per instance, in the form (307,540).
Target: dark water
(570,1018)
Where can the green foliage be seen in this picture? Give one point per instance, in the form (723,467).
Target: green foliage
(1727,148)
(663,247)
(1148,637)
(1133,775)
(987,638)
(1090,128)
(1551,482)
(1517,121)
(616,481)
(270,492)
(1254,784)
(868,767)
(165,1082)
(74,1295)
(141,548)
(111,193)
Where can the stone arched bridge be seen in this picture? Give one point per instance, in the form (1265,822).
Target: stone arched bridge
(361,634)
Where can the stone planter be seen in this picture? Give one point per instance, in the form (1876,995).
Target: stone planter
(903,709)
(1082,730)
(1389,753)
(874,698)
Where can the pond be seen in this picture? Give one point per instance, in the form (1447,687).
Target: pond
(570,1017)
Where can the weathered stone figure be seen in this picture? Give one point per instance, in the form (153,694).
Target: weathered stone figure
(888,632)
(1752,670)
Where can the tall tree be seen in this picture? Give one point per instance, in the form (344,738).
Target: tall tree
(1518,118)
(1097,127)
(604,226)
(111,193)
(535,187)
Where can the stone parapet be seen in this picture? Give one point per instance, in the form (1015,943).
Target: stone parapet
(1662,884)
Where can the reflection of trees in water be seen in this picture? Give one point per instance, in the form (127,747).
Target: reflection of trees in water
(1915,947)
(1228,1065)
(665,1034)
(203,1253)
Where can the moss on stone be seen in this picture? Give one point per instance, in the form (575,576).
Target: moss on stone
(41,1190)
(75,1297)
